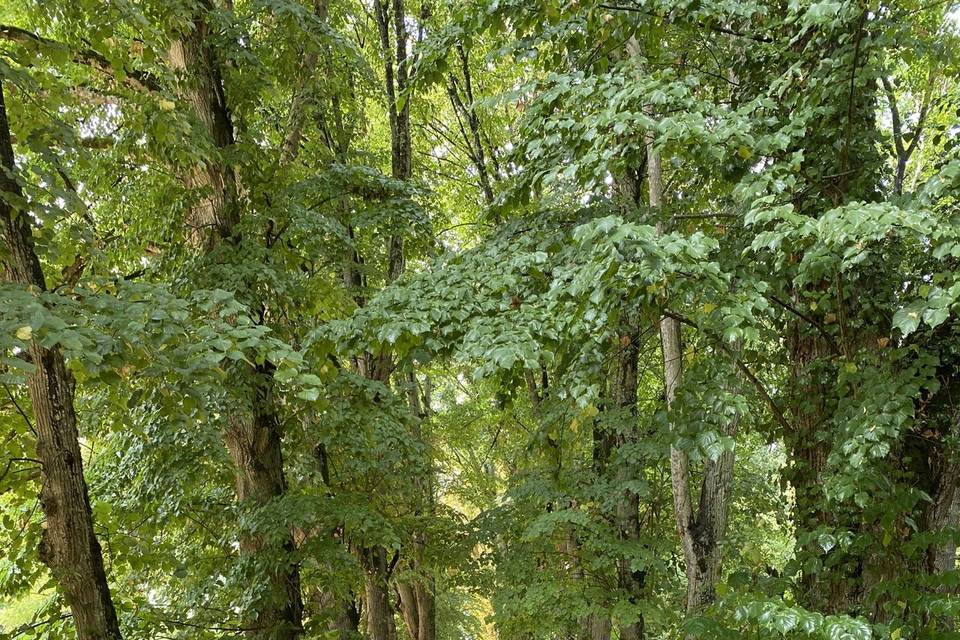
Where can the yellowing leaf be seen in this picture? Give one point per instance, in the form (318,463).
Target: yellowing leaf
(744,152)
(25,333)
(709,307)
(167,105)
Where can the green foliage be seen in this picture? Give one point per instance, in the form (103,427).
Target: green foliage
(818,303)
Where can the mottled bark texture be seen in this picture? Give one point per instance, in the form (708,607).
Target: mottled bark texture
(68,546)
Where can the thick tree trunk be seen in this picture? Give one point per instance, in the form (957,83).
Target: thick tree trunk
(253,439)
(708,530)
(596,627)
(212,218)
(341,614)
(943,515)
(940,475)
(69,546)
(254,432)
(426,608)
(839,589)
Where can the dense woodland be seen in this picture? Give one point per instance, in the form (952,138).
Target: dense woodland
(479,319)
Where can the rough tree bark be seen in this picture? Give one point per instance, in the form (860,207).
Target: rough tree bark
(828,591)
(69,546)
(254,432)
(416,596)
(939,475)
(379,610)
(212,218)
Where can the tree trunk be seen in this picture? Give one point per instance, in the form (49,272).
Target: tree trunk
(709,529)
(254,432)
(596,627)
(943,515)
(701,532)
(212,218)
(624,396)
(253,439)
(466,110)
(380,620)
(409,609)
(379,610)
(426,608)
(68,546)
(341,614)
(837,590)
(941,474)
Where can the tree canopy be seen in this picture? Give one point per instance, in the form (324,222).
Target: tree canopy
(479,319)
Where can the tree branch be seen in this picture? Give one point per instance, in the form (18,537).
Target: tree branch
(137,80)
(764,394)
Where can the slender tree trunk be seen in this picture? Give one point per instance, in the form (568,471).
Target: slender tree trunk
(701,531)
(379,610)
(417,599)
(68,546)
(624,396)
(465,109)
(254,432)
